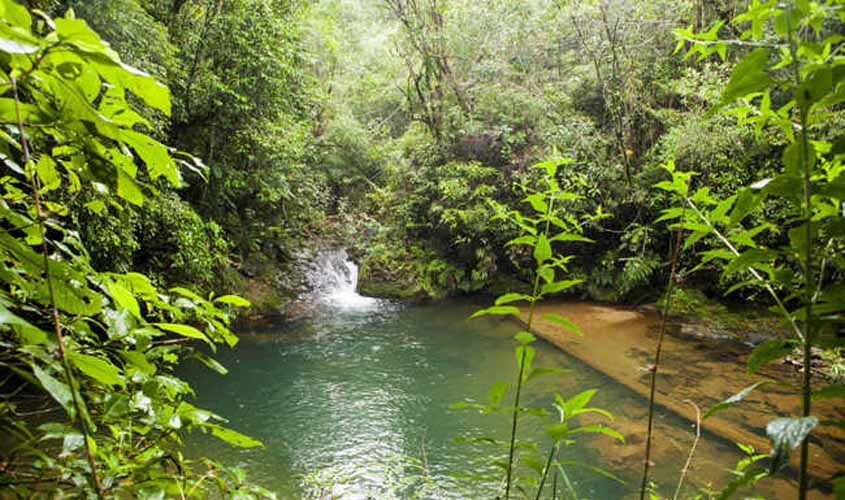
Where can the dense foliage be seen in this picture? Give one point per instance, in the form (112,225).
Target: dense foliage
(155,150)
(91,407)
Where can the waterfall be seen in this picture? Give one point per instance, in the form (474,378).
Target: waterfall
(333,278)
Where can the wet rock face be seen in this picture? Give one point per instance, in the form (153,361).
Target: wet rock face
(375,280)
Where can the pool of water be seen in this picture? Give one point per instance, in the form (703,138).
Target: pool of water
(354,403)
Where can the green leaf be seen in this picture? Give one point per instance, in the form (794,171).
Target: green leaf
(536,465)
(58,390)
(155,155)
(496,395)
(512,297)
(558,286)
(557,431)
(570,237)
(732,400)
(577,402)
(211,363)
(817,85)
(497,310)
(233,437)
(125,299)
(233,300)
(786,434)
(769,351)
(128,189)
(139,361)
(523,240)
(537,202)
(99,369)
(183,330)
(747,77)
(540,371)
(560,320)
(45,168)
(525,338)
(542,250)
(15,14)
(599,429)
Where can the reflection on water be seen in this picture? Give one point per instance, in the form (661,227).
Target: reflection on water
(359,400)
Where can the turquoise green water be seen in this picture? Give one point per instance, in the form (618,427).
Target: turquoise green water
(357,401)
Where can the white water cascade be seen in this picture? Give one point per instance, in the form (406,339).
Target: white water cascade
(334,278)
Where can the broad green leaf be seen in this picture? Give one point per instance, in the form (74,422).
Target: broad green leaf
(547,273)
(139,361)
(99,369)
(15,14)
(58,390)
(497,310)
(512,297)
(47,173)
(769,351)
(560,320)
(559,286)
(183,330)
(233,437)
(542,250)
(7,317)
(128,189)
(233,300)
(537,202)
(748,76)
(732,400)
(749,259)
(816,86)
(124,299)
(155,155)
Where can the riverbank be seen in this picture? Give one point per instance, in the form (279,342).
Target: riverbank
(620,343)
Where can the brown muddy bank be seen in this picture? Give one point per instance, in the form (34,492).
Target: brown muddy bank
(621,342)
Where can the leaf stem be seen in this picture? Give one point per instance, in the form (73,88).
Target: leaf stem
(670,288)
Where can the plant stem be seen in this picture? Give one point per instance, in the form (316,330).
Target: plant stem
(806,379)
(534,297)
(546,471)
(57,325)
(663,324)
(513,425)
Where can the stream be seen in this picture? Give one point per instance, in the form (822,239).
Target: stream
(353,403)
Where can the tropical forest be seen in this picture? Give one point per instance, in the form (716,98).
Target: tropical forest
(422,249)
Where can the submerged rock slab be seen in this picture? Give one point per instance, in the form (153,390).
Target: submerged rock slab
(621,342)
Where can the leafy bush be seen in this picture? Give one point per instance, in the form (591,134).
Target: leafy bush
(95,351)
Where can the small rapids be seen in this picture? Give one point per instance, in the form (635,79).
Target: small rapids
(334,279)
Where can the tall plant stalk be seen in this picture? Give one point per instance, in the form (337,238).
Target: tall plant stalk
(667,305)
(534,297)
(806,379)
